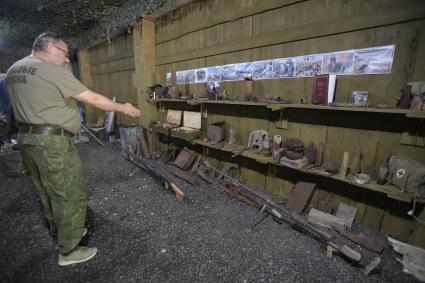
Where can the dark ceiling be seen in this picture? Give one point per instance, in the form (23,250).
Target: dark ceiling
(22,20)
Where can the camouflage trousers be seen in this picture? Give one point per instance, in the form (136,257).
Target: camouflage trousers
(55,168)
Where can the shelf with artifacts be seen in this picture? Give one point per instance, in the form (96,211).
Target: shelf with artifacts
(342,115)
(233,102)
(390,191)
(167,100)
(206,101)
(409,113)
(239,150)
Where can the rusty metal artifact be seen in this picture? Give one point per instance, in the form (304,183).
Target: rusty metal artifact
(216,131)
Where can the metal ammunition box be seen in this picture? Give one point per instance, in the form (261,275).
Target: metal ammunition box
(172,121)
(191,127)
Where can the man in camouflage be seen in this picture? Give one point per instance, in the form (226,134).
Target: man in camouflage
(44,97)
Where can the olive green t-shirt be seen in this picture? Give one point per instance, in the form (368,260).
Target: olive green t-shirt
(41,92)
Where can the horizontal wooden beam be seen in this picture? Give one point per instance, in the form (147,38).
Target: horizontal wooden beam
(112,72)
(392,15)
(241,12)
(125,64)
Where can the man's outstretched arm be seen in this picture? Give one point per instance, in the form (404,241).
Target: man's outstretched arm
(104,103)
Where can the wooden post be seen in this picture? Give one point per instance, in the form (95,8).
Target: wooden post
(145,68)
(87,80)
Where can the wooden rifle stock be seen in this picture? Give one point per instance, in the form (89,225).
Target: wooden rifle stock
(179,193)
(359,239)
(300,221)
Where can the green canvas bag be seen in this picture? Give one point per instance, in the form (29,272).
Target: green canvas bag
(408,175)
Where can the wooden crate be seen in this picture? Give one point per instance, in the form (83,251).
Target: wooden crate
(191,127)
(172,121)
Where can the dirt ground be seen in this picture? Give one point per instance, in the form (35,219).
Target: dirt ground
(144,235)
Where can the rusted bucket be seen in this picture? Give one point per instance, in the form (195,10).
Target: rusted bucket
(216,131)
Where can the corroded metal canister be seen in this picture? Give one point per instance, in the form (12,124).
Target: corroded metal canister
(216,131)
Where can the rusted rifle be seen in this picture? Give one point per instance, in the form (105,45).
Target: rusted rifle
(139,162)
(360,239)
(294,219)
(184,176)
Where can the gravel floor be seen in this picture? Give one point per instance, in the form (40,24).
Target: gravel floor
(144,235)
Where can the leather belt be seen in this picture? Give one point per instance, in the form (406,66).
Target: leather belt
(44,130)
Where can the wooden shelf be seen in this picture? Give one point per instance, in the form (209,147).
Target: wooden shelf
(167,100)
(416,114)
(202,101)
(233,149)
(409,113)
(389,190)
(278,106)
(247,103)
(257,157)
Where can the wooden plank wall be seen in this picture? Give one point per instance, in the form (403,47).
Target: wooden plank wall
(214,32)
(112,69)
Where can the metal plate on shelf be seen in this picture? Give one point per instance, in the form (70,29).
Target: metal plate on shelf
(300,196)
